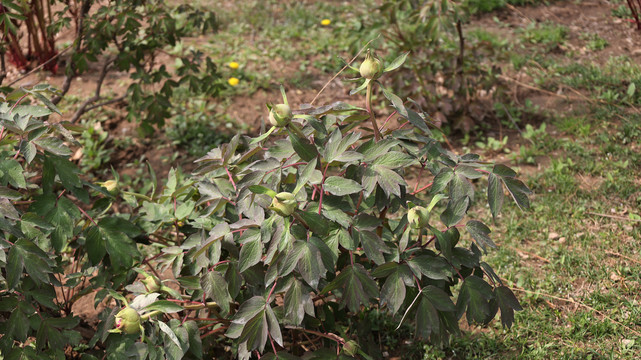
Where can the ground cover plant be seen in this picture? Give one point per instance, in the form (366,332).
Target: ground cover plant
(563,110)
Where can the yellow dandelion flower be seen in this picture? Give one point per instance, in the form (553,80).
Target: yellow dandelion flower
(233,81)
(234,65)
(326,22)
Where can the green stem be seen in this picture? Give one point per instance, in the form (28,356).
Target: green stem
(148,315)
(377,134)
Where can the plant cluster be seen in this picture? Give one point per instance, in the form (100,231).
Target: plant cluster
(115,36)
(275,245)
(451,73)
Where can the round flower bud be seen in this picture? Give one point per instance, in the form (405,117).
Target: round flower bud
(372,67)
(418,217)
(350,348)
(284,204)
(152,284)
(128,321)
(280,115)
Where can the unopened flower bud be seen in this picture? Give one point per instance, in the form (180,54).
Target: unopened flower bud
(418,217)
(111,186)
(280,115)
(152,284)
(284,204)
(350,348)
(372,67)
(128,321)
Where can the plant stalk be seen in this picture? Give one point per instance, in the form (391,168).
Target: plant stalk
(368,100)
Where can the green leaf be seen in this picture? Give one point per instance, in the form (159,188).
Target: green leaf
(316,223)
(340,186)
(304,175)
(519,192)
(274,327)
(434,267)
(439,298)
(215,287)
(396,102)
(305,150)
(394,160)
(167,307)
(495,195)
(393,292)
(119,246)
(170,333)
(360,88)
(250,253)
(53,145)
(507,303)
(389,180)
(427,319)
(310,265)
(25,254)
(503,171)
(357,286)
(397,62)
(95,245)
(294,302)
(480,232)
(373,245)
(475,296)
(455,211)
(441,180)
(12,173)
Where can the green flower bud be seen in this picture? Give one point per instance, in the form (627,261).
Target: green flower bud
(350,348)
(372,67)
(280,115)
(152,284)
(284,204)
(418,217)
(128,321)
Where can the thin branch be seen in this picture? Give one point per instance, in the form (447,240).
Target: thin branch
(83,107)
(344,67)
(40,66)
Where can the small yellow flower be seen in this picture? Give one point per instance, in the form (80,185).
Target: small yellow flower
(233,81)
(234,65)
(326,22)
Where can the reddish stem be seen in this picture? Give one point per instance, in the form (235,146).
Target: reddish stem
(421,189)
